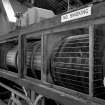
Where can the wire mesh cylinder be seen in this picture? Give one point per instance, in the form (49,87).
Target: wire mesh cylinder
(70,64)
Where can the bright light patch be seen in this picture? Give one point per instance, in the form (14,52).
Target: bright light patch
(9,10)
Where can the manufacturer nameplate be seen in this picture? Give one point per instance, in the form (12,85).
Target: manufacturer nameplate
(76,14)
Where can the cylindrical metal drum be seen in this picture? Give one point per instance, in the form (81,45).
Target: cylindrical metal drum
(3,53)
(36,57)
(29,50)
(36,61)
(33,57)
(11,57)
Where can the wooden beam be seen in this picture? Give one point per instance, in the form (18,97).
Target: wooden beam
(58,94)
(43,58)
(91,59)
(21,55)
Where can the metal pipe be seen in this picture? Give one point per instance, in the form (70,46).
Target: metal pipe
(37,99)
(17,93)
(25,91)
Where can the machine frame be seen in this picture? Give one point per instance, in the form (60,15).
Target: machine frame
(42,30)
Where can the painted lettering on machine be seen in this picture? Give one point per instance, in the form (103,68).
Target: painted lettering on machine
(76,14)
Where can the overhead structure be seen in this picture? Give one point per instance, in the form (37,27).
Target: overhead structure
(9,10)
(11,7)
(58,6)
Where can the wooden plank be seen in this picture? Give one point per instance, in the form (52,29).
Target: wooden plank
(91,59)
(48,90)
(44,58)
(7,74)
(57,95)
(43,61)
